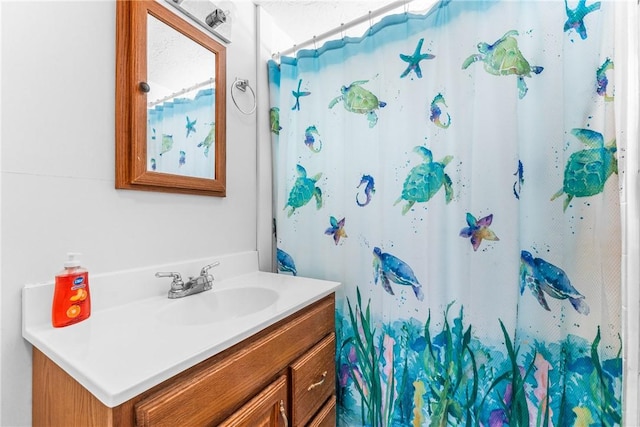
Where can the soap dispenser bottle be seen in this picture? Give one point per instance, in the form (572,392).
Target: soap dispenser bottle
(71,301)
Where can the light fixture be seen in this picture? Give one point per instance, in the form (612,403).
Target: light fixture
(209,15)
(216,18)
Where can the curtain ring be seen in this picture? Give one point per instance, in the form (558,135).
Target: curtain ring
(242,85)
(371,23)
(342,29)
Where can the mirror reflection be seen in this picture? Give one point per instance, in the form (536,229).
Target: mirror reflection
(170,103)
(181,103)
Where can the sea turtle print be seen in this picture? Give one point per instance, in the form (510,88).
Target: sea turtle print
(425,180)
(543,277)
(357,99)
(503,58)
(388,268)
(285,262)
(587,170)
(208,141)
(274,120)
(303,190)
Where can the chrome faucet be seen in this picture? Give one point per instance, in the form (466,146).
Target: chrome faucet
(194,285)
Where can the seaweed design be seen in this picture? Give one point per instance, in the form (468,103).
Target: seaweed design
(370,364)
(451,372)
(409,373)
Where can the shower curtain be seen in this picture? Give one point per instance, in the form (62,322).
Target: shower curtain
(457,171)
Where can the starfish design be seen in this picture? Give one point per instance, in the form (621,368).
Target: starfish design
(191,126)
(575,17)
(297,94)
(336,230)
(414,60)
(478,230)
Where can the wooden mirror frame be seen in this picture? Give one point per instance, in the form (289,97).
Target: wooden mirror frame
(131,103)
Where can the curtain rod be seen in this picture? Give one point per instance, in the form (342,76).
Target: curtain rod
(181,92)
(344,27)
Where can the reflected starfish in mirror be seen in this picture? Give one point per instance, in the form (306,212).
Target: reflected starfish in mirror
(191,126)
(414,60)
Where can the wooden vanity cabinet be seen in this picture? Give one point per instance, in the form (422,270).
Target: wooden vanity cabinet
(286,370)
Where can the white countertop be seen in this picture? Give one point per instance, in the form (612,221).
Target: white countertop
(123,348)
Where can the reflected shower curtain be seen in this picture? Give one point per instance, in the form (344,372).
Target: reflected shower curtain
(458,172)
(181,136)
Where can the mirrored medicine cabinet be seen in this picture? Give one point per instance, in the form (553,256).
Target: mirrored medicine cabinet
(170,103)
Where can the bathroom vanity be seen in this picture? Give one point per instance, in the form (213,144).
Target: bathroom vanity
(272,365)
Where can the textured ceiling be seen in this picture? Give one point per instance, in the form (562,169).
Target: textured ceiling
(302,19)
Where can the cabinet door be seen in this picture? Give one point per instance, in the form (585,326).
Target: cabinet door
(267,409)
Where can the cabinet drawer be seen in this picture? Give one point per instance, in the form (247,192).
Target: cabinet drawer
(312,380)
(326,416)
(267,409)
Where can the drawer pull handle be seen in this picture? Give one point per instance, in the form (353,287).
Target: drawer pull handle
(283,412)
(319,383)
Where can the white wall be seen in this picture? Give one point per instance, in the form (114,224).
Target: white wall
(58,162)
(270,39)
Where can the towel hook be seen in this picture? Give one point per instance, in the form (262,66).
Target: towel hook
(242,85)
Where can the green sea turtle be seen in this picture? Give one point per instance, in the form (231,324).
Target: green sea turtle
(359,100)
(274,120)
(303,190)
(208,141)
(425,180)
(504,58)
(587,170)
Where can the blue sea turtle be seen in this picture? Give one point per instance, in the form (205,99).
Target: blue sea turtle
(285,262)
(504,58)
(425,180)
(387,268)
(541,276)
(357,99)
(588,170)
(303,190)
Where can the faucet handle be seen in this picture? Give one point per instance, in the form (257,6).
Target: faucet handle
(206,268)
(177,282)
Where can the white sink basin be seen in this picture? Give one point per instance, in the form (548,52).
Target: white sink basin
(217,305)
